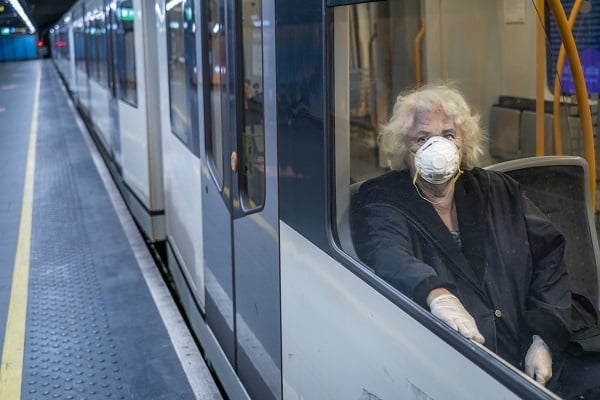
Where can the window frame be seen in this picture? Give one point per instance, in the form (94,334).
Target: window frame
(489,362)
(120,42)
(189,139)
(242,181)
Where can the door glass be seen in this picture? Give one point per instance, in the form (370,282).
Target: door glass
(253,134)
(217,76)
(182,72)
(125,49)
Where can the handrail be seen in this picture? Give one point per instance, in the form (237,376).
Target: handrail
(580,92)
(540,35)
(559,71)
(418,54)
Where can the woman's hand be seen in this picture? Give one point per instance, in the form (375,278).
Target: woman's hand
(538,361)
(449,309)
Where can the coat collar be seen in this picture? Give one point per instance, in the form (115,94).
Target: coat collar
(471,205)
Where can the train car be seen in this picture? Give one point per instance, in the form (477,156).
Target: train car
(238,131)
(115,68)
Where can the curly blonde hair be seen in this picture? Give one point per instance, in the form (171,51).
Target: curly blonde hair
(427,99)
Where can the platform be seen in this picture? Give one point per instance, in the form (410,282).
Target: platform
(84,312)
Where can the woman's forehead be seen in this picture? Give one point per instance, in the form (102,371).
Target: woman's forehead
(427,117)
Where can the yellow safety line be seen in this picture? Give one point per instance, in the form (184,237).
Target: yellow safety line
(14,337)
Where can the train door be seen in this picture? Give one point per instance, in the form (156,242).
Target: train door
(239,207)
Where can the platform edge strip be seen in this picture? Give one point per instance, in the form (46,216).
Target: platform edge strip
(14,338)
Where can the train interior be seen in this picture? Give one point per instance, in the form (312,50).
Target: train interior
(486,50)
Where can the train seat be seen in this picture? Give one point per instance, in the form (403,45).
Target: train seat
(344,229)
(512,130)
(559,186)
(504,132)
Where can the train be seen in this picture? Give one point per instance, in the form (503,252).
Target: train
(236,130)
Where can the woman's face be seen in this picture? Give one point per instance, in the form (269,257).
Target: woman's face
(428,124)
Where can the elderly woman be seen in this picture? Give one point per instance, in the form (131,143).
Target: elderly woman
(462,241)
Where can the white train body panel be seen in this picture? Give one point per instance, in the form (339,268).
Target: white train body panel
(341,339)
(133,124)
(139,128)
(100,112)
(182,182)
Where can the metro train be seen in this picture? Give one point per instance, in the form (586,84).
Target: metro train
(235,131)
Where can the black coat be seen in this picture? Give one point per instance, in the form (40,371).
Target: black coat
(509,273)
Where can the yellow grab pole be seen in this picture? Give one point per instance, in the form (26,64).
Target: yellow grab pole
(559,71)
(418,54)
(580,91)
(540,47)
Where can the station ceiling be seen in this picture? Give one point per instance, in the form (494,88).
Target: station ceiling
(43,13)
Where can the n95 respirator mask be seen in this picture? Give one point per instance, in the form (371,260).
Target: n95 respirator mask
(437,161)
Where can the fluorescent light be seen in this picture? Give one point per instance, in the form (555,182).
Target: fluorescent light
(173,3)
(16,5)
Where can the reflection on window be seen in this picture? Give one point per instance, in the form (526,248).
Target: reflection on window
(375,57)
(253,135)
(97,49)
(125,52)
(90,46)
(181,28)
(374,61)
(102,50)
(79,38)
(217,75)
(586,32)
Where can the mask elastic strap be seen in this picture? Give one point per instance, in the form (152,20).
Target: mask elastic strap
(450,185)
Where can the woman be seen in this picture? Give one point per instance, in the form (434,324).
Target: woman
(463,241)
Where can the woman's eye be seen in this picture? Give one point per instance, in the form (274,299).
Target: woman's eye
(450,135)
(421,139)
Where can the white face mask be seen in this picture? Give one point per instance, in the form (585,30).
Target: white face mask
(437,161)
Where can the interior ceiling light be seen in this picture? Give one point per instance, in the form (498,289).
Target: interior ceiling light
(16,5)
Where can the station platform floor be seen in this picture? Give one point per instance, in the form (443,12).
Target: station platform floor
(84,312)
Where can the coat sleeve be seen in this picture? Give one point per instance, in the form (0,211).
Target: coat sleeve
(548,304)
(383,240)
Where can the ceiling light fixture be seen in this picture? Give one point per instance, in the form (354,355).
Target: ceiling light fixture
(16,5)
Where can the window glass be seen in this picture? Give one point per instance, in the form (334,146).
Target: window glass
(253,128)
(217,76)
(125,52)
(373,61)
(79,38)
(181,27)
(586,32)
(90,46)
(102,48)
(381,51)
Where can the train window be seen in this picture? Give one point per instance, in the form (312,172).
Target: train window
(217,76)
(371,63)
(79,38)
(253,134)
(181,28)
(97,49)
(381,49)
(125,52)
(586,31)
(102,49)
(90,46)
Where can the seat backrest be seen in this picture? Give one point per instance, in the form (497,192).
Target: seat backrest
(559,186)
(504,132)
(344,228)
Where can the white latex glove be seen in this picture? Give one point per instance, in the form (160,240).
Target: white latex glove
(538,361)
(449,309)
